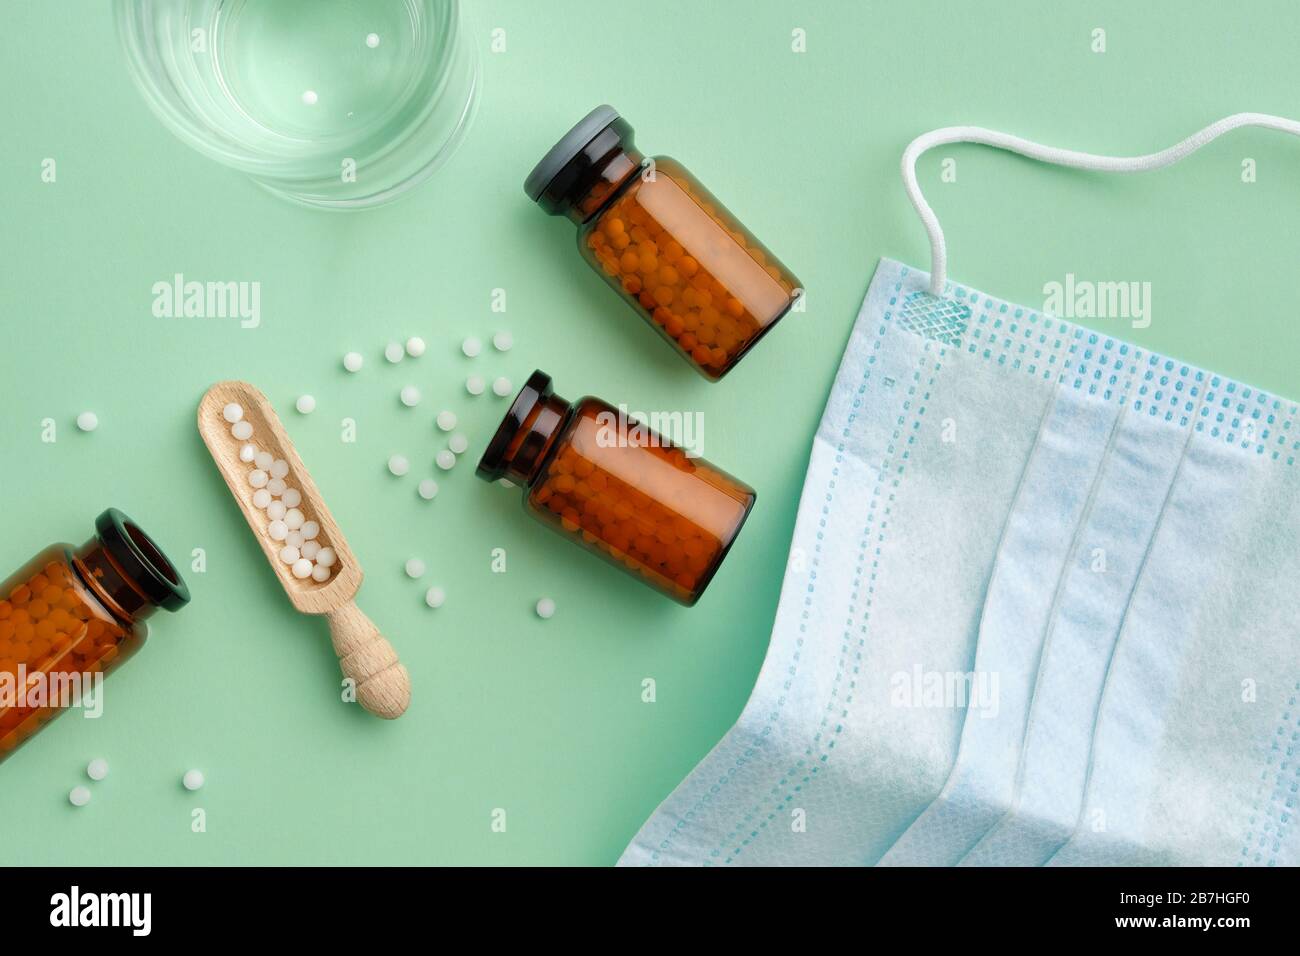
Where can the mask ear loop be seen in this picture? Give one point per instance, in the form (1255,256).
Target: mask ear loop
(1056,156)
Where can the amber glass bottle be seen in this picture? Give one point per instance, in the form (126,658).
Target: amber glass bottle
(664,243)
(618,489)
(70,614)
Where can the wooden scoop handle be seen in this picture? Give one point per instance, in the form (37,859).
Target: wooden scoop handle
(383,686)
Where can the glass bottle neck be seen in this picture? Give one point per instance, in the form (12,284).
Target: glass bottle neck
(594,175)
(534,440)
(110,583)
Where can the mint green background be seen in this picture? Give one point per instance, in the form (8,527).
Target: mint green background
(545,719)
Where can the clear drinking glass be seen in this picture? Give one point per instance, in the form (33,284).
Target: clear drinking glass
(335,103)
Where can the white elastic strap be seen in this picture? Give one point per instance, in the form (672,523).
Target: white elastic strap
(1061,157)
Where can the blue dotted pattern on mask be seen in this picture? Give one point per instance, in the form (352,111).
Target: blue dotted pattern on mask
(1013,337)
(1275,804)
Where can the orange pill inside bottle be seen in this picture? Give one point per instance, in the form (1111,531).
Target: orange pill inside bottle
(618,489)
(71,615)
(663,243)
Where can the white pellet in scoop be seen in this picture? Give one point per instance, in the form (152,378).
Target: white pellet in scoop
(502,387)
(302,568)
(292,497)
(247,454)
(435,596)
(242,431)
(458,443)
(295,540)
(393,352)
(193,779)
(415,346)
(471,347)
(326,557)
(306,404)
(289,554)
(309,530)
(445,460)
(276,487)
(502,341)
(320,575)
(474,385)
(279,468)
(546,609)
(446,420)
(398,465)
(258,478)
(410,396)
(261,498)
(310,549)
(294,519)
(232,413)
(414,568)
(353,361)
(97,769)
(275,510)
(79,796)
(264,460)
(277,530)
(428,489)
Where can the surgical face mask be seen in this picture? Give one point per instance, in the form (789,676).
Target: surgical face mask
(1039,604)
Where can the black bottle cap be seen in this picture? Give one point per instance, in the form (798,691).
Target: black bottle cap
(141,560)
(570,145)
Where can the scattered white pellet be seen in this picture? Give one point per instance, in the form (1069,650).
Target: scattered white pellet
(372,40)
(353,361)
(193,779)
(502,387)
(277,530)
(445,460)
(258,478)
(326,557)
(415,346)
(306,404)
(279,468)
(546,609)
(410,396)
(310,549)
(302,568)
(398,465)
(310,98)
(446,420)
(79,796)
(247,454)
(414,568)
(393,352)
(294,539)
(458,443)
(264,460)
(232,413)
(320,575)
(502,341)
(276,487)
(435,596)
(474,385)
(242,431)
(309,530)
(87,421)
(294,519)
(428,489)
(262,499)
(292,497)
(276,510)
(471,347)
(290,555)
(97,769)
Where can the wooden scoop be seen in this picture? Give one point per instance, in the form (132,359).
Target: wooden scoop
(382,684)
